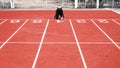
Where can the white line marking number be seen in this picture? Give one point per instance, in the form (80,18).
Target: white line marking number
(102,20)
(14,21)
(81,21)
(37,21)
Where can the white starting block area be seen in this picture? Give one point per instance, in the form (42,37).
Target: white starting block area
(80,21)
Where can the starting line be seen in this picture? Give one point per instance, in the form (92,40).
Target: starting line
(77,20)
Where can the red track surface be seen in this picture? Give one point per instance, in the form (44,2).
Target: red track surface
(31,32)
(74,14)
(7,29)
(57,47)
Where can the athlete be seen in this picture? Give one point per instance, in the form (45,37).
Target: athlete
(59,15)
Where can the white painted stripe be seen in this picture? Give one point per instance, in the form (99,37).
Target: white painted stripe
(41,42)
(3,22)
(60,43)
(116,22)
(78,45)
(105,34)
(13,34)
(81,21)
(14,21)
(102,20)
(37,21)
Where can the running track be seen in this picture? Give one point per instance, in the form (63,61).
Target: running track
(85,39)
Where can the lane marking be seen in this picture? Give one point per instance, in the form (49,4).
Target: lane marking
(102,20)
(15,21)
(61,43)
(60,21)
(3,22)
(78,45)
(41,42)
(13,34)
(81,21)
(105,34)
(116,22)
(37,21)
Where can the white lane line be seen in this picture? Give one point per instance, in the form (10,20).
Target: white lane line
(3,22)
(41,42)
(13,34)
(116,22)
(78,45)
(106,34)
(106,43)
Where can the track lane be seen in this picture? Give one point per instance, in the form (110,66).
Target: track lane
(59,55)
(31,32)
(59,32)
(87,32)
(22,55)
(101,55)
(111,28)
(96,55)
(17,55)
(8,28)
